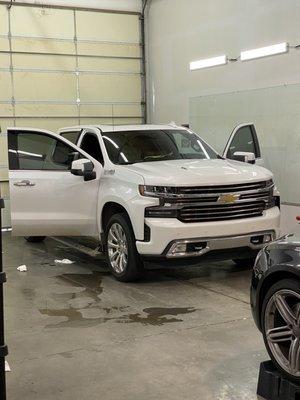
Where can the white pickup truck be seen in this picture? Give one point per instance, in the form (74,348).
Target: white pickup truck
(154,193)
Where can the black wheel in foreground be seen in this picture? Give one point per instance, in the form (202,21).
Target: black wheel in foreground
(244,262)
(35,239)
(281,326)
(121,253)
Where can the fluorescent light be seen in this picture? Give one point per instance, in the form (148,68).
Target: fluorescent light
(264,51)
(208,62)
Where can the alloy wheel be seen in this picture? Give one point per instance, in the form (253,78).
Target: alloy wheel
(282,329)
(117,248)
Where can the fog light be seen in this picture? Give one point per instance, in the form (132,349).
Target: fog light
(261,239)
(179,248)
(267,238)
(257,239)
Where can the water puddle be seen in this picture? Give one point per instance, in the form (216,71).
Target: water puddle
(83,308)
(155,316)
(158,315)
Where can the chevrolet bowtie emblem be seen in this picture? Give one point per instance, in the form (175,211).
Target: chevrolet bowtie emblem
(228,198)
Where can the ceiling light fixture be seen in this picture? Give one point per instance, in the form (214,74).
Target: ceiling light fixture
(208,62)
(264,51)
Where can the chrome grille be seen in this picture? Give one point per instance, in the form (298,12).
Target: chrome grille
(197,204)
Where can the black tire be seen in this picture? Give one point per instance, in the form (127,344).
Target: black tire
(134,267)
(244,262)
(291,285)
(35,239)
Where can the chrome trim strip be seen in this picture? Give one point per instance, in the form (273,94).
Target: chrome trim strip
(217,193)
(219,243)
(241,201)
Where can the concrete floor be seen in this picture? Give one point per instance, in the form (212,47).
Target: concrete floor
(75,333)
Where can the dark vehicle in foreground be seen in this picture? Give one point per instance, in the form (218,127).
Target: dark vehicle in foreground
(275,302)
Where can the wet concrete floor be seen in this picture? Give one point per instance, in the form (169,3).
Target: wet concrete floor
(75,333)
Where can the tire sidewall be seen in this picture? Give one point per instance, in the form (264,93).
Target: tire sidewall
(282,284)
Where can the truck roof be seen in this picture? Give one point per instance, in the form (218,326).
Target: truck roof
(115,128)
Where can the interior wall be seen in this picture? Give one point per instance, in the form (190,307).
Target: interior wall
(179,31)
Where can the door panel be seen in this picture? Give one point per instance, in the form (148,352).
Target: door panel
(46,199)
(243,138)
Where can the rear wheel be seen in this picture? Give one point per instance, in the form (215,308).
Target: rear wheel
(244,262)
(281,326)
(121,253)
(35,239)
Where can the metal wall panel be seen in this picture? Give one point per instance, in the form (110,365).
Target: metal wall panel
(43,110)
(111,88)
(43,62)
(69,60)
(4,20)
(5,86)
(42,22)
(108,27)
(4,61)
(111,65)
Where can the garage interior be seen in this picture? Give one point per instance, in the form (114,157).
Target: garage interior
(74,331)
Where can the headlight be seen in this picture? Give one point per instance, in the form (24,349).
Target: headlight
(157,191)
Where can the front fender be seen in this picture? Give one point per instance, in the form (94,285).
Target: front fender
(126,195)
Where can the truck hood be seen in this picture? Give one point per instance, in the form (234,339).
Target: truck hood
(198,172)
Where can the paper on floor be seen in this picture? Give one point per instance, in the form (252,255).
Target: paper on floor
(64,261)
(22,268)
(7,367)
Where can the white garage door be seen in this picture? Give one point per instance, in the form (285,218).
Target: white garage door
(65,66)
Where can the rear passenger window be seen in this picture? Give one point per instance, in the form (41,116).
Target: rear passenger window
(71,136)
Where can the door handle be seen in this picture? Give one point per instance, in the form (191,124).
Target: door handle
(24,183)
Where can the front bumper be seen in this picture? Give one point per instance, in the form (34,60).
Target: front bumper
(220,234)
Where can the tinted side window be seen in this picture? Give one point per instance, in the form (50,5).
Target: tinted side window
(71,136)
(243,140)
(38,151)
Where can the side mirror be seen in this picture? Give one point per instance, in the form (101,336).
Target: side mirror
(83,167)
(244,157)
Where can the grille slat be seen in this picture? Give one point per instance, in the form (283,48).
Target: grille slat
(222,207)
(222,188)
(222,217)
(217,212)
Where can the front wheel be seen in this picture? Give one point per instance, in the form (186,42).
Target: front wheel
(121,253)
(35,239)
(281,326)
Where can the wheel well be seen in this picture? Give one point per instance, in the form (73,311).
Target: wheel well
(109,210)
(270,281)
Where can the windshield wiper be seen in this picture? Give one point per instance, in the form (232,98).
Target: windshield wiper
(157,158)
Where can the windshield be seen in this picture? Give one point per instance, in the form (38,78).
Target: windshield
(129,147)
